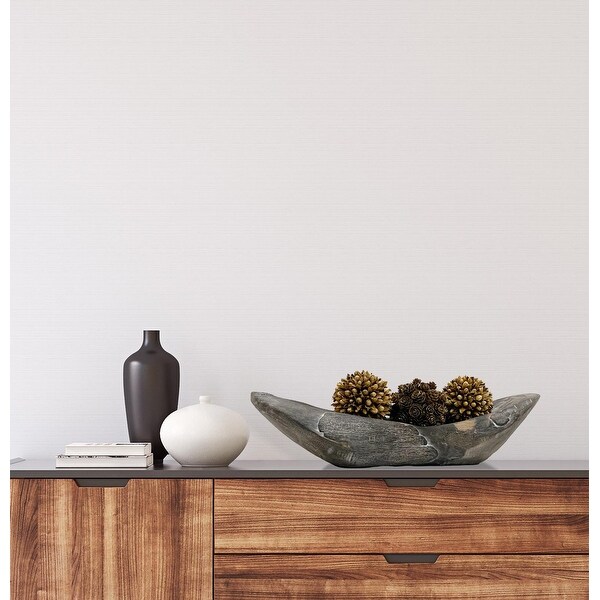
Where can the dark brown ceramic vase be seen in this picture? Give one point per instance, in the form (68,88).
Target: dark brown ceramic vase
(151,385)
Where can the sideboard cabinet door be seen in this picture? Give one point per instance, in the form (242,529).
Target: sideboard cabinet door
(149,540)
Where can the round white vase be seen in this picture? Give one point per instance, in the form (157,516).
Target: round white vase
(204,435)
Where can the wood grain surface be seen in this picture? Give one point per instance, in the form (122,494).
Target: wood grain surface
(366,516)
(452,577)
(151,540)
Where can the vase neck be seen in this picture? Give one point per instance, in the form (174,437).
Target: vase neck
(151,339)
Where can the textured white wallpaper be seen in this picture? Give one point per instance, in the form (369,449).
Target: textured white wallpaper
(293,190)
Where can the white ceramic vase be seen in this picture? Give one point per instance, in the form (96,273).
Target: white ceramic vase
(204,435)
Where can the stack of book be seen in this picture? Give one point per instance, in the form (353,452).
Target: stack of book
(106,456)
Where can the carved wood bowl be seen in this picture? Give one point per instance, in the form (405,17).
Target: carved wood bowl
(351,441)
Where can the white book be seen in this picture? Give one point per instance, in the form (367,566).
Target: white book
(113,449)
(104,462)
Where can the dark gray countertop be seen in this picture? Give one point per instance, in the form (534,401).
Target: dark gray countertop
(308,469)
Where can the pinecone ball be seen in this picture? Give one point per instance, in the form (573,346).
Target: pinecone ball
(364,394)
(467,397)
(418,403)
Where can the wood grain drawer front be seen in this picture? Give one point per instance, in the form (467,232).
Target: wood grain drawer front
(366,516)
(150,540)
(452,577)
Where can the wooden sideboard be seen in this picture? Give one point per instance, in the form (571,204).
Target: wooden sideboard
(300,530)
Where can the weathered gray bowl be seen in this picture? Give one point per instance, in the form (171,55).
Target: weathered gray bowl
(350,441)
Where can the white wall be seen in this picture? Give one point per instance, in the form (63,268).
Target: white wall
(294,190)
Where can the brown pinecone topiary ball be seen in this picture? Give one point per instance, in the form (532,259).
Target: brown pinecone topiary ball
(418,403)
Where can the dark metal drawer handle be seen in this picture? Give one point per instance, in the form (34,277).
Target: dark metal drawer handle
(405,482)
(411,558)
(103,482)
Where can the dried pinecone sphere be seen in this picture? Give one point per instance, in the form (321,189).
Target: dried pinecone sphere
(364,394)
(418,403)
(467,397)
